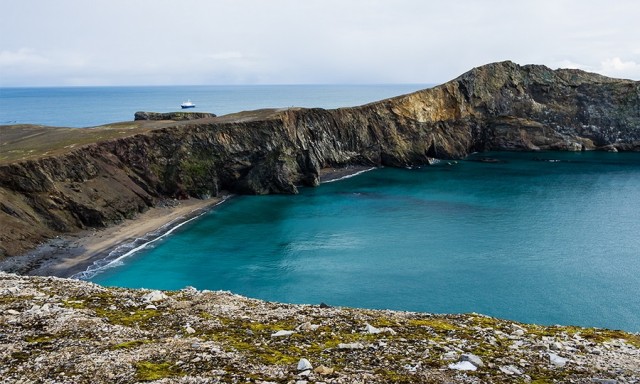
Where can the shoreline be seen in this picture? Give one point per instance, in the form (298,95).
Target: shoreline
(69,255)
(80,254)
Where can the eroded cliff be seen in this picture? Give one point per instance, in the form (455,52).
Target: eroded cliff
(80,183)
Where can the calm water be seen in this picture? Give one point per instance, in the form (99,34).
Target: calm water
(91,106)
(535,241)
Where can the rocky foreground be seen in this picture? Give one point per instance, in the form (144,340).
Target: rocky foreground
(66,331)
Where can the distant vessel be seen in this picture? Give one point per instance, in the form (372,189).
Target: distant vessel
(187,104)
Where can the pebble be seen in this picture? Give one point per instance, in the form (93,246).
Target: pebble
(322,370)
(350,346)
(463,366)
(510,370)
(557,360)
(304,365)
(13,312)
(154,296)
(473,359)
(282,333)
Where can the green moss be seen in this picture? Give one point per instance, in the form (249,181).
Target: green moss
(75,304)
(149,371)
(130,344)
(140,317)
(40,339)
(6,300)
(436,324)
(20,356)
(206,316)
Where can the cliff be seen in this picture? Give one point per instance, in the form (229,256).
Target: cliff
(67,331)
(57,180)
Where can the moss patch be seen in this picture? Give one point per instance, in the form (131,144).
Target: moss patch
(149,371)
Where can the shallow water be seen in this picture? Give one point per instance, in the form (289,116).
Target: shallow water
(551,242)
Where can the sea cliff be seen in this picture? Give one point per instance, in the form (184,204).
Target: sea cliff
(55,181)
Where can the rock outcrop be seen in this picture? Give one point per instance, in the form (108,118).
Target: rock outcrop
(175,116)
(68,331)
(499,106)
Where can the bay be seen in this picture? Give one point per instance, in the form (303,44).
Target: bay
(549,238)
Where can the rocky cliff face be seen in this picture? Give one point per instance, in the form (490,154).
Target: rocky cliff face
(499,106)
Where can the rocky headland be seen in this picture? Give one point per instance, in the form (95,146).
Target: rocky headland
(63,181)
(56,181)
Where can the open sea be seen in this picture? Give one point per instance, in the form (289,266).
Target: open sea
(549,238)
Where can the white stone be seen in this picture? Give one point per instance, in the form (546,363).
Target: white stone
(451,355)
(350,346)
(189,330)
(282,333)
(463,366)
(557,360)
(510,370)
(473,359)
(304,365)
(154,296)
(13,312)
(371,329)
(307,327)
(150,306)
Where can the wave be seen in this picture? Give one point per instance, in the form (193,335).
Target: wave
(349,175)
(115,257)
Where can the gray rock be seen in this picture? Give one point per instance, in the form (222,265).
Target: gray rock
(604,381)
(473,359)
(304,365)
(510,370)
(154,296)
(282,333)
(463,366)
(350,346)
(557,361)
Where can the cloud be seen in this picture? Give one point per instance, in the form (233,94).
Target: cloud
(616,67)
(229,55)
(21,57)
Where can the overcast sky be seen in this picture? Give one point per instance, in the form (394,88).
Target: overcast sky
(156,42)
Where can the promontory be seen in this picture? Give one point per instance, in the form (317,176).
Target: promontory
(57,182)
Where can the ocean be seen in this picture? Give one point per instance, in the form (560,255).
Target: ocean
(90,106)
(548,238)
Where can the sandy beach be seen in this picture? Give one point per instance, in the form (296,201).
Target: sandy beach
(67,255)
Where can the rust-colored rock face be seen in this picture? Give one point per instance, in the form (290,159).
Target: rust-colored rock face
(499,106)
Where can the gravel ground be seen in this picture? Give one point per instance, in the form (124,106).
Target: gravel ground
(56,330)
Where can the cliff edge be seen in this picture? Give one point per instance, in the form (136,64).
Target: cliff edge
(60,180)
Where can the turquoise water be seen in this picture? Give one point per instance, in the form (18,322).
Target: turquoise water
(91,106)
(551,242)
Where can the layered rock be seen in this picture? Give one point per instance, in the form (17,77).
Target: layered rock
(175,116)
(499,106)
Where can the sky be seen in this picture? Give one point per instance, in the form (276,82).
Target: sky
(210,42)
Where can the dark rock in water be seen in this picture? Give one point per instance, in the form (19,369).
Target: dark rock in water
(323,305)
(486,160)
(49,187)
(175,116)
